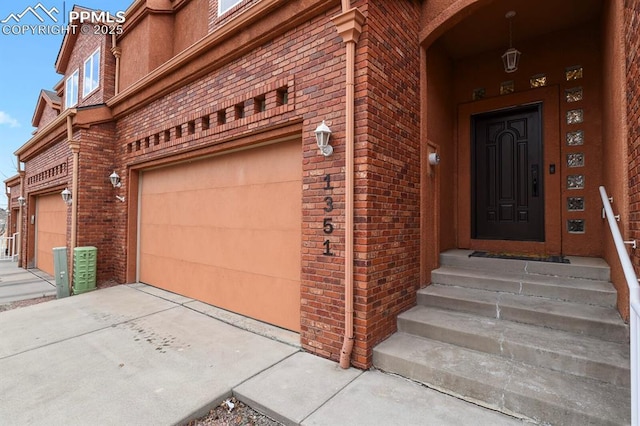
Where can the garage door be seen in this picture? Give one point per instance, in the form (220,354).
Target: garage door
(227,231)
(51,229)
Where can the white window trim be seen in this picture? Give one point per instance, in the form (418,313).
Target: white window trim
(84,68)
(222,12)
(66,89)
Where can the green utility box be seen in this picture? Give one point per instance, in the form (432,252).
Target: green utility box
(85,260)
(60,271)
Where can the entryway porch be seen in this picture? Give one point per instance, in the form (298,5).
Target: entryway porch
(538,340)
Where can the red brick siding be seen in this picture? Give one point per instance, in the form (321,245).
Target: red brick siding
(48,115)
(85,45)
(311,60)
(632,48)
(41,177)
(97,203)
(14,193)
(387,194)
(13,208)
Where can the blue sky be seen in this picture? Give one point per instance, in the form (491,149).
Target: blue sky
(27,67)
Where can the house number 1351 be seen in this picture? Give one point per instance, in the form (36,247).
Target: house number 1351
(327,226)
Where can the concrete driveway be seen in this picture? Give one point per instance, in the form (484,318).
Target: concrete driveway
(138,355)
(18,284)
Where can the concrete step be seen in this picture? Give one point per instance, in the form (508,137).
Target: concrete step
(543,347)
(580,267)
(596,321)
(578,290)
(546,396)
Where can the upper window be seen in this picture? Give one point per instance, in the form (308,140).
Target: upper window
(224,5)
(71,90)
(91,79)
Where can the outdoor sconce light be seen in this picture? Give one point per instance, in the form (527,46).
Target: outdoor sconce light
(434,159)
(511,57)
(22,201)
(115,180)
(323,133)
(66,196)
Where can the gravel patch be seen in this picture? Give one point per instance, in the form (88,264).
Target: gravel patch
(233,413)
(23,303)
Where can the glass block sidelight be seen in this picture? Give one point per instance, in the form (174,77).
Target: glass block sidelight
(575,116)
(575,226)
(575,204)
(479,93)
(575,182)
(575,138)
(574,94)
(575,159)
(573,73)
(507,87)
(538,80)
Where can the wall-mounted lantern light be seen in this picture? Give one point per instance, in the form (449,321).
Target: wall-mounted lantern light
(323,133)
(115,180)
(66,196)
(22,201)
(434,159)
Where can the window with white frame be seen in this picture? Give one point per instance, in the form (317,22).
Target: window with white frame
(224,5)
(71,90)
(91,73)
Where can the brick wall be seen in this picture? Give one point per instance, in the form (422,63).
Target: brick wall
(48,115)
(387,194)
(632,48)
(85,45)
(309,63)
(97,204)
(48,172)
(13,208)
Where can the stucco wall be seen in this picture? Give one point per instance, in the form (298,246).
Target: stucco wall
(614,134)
(551,55)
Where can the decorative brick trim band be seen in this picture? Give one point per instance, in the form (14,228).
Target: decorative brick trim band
(46,175)
(271,100)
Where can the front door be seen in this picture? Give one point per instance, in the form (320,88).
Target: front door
(507,185)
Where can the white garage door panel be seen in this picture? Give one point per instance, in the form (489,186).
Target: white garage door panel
(227,230)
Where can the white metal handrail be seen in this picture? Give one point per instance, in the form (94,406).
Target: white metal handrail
(634,303)
(9,247)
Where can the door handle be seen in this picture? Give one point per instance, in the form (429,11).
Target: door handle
(534,180)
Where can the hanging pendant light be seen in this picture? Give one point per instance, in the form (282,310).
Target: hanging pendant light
(511,57)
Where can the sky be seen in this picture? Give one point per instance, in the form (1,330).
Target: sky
(27,66)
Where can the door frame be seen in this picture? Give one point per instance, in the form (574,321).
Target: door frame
(550,131)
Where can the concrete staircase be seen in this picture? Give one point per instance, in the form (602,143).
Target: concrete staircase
(542,341)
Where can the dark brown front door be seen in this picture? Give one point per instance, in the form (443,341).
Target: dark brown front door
(507,170)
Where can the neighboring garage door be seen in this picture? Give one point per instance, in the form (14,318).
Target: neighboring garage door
(226,230)
(51,229)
